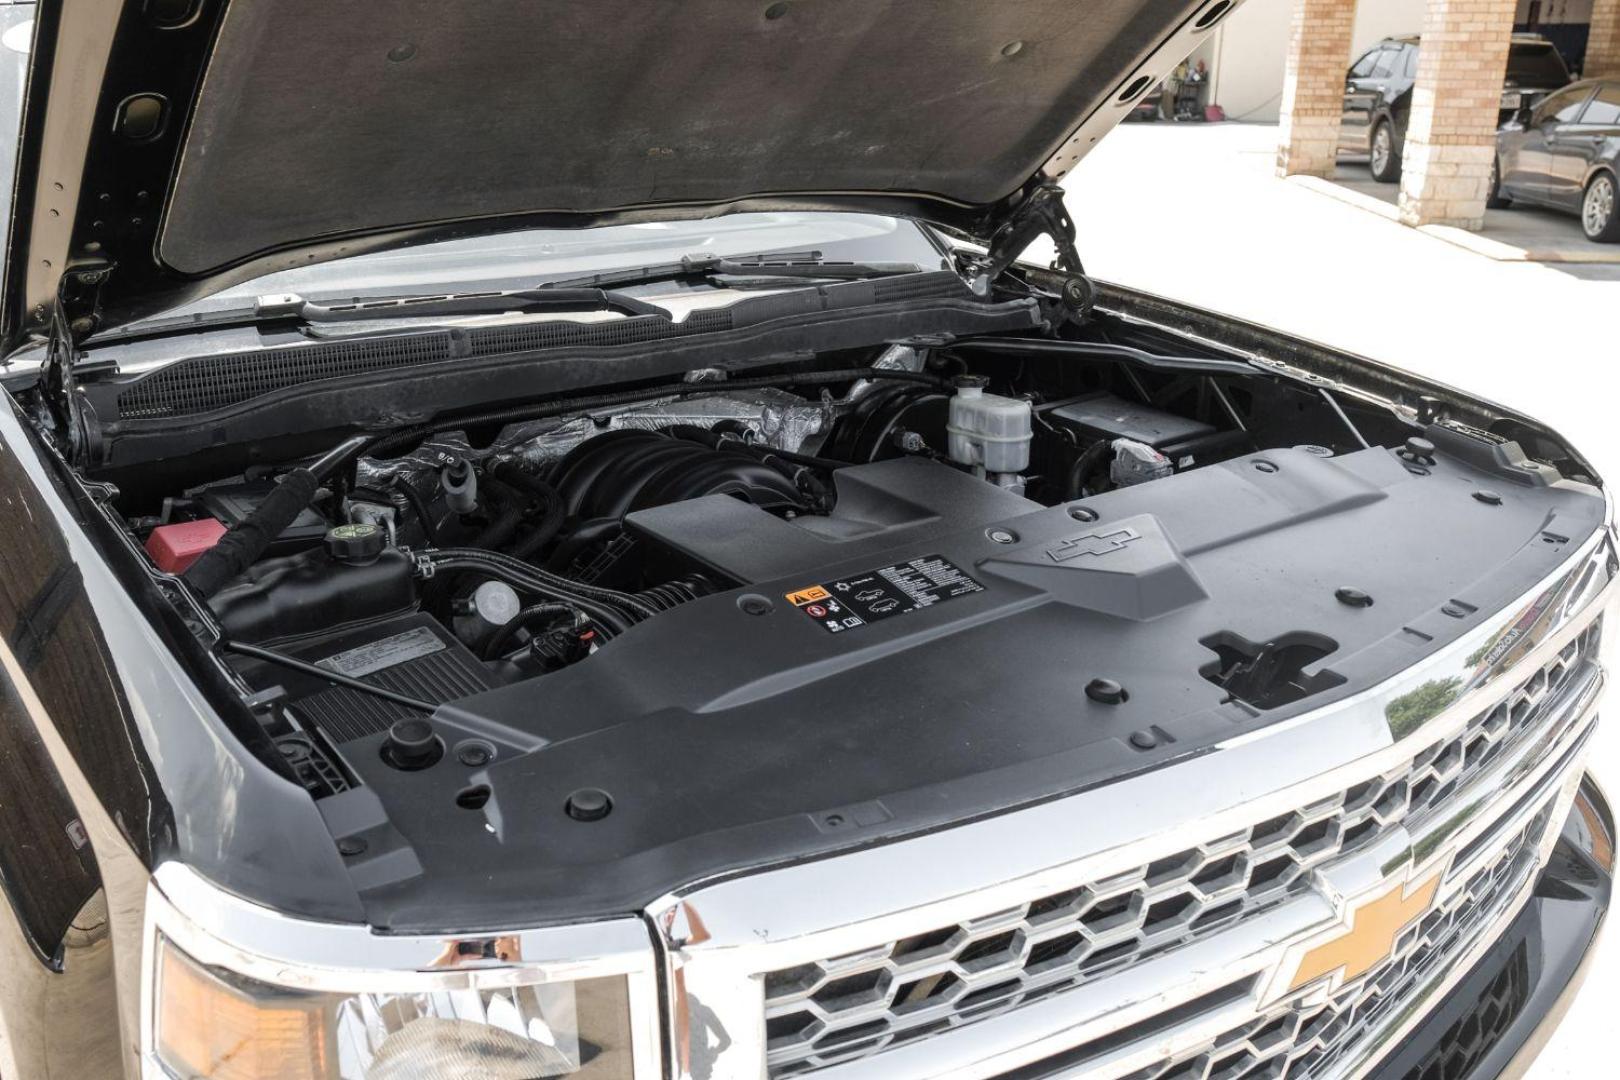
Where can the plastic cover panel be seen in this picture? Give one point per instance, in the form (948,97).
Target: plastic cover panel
(205,383)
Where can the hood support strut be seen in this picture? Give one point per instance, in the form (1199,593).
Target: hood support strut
(61,411)
(1042,213)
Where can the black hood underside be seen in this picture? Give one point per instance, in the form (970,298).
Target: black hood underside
(316,120)
(167,158)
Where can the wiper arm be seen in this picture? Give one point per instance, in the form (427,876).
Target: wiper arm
(746,269)
(590,292)
(521,301)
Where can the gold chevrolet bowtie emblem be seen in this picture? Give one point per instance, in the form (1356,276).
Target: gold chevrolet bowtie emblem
(1374,926)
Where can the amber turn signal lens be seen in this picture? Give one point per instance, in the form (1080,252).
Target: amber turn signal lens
(210,1027)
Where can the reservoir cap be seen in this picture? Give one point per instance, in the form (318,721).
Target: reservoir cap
(359,542)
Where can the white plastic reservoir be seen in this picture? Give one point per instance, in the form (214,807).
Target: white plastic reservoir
(988,431)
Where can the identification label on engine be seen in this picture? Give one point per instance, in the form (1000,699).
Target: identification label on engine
(850,603)
(385,653)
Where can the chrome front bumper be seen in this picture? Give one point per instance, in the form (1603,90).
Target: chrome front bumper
(1255,985)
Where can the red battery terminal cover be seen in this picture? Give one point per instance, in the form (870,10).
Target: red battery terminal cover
(175,547)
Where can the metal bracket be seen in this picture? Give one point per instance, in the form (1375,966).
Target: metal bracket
(57,401)
(1042,213)
(421,563)
(78,296)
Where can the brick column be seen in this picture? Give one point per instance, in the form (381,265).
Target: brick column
(1603,46)
(1451,137)
(1313,86)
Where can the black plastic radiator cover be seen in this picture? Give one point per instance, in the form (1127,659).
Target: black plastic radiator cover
(725,739)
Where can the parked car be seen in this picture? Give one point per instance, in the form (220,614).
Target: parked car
(536,552)
(1565,154)
(1378,95)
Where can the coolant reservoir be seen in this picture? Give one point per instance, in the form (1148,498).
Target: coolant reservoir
(988,431)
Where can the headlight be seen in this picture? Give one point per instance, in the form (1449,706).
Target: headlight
(293,1002)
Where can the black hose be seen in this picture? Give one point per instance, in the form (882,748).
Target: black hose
(674,593)
(503,524)
(551,518)
(517,476)
(580,537)
(248,539)
(612,619)
(1083,467)
(807,460)
(550,524)
(419,507)
(520,574)
(388,444)
(273,657)
(504,634)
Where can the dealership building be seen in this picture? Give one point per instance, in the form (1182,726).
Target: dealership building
(1247,55)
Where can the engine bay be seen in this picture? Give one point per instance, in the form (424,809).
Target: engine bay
(850,597)
(458,566)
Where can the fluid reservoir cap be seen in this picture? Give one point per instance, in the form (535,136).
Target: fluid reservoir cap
(358,542)
(411,744)
(496,603)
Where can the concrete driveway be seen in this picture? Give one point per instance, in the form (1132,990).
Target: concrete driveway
(1193,212)
(1517,233)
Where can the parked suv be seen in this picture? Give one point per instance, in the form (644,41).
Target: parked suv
(1565,154)
(1378,95)
(528,552)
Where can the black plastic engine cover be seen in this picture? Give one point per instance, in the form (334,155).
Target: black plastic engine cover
(726,733)
(879,507)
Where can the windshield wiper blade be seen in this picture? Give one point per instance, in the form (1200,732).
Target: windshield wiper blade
(746,269)
(813,266)
(590,292)
(453,305)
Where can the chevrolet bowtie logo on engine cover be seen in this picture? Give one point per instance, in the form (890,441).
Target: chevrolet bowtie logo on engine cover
(1092,543)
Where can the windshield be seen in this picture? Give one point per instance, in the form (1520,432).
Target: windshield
(520,259)
(1536,65)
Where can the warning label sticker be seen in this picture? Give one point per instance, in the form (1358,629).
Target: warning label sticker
(852,602)
(385,653)
(806,596)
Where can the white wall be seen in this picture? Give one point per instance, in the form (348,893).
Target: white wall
(1379,19)
(1250,47)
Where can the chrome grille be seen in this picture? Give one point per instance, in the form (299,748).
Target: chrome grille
(1295,1042)
(1442,769)
(851,1006)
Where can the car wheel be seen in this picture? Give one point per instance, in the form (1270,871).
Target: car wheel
(1494,197)
(1386,159)
(1598,218)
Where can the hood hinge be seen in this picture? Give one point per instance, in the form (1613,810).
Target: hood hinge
(1042,213)
(61,412)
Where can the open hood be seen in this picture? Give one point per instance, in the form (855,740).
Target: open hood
(173,147)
